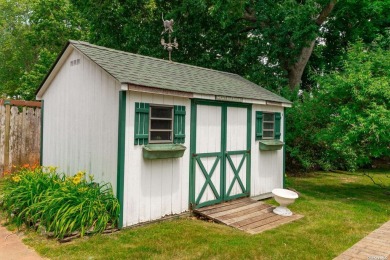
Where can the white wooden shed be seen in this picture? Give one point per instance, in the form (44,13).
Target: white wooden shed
(126,118)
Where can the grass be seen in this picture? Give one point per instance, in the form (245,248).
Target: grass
(339,209)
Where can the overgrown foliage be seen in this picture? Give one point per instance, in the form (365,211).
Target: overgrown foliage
(39,197)
(344,123)
(33,32)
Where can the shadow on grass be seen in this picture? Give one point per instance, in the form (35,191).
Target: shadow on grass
(336,187)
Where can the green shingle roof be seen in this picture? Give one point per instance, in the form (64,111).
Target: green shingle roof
(151,72)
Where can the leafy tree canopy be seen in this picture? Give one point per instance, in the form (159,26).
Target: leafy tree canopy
(34,32)
(269,42)
(344,123)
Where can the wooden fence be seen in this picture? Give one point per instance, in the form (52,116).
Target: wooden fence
(20,134)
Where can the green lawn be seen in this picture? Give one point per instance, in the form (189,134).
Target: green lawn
(339,210)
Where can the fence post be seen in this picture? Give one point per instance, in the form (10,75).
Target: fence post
(7,130)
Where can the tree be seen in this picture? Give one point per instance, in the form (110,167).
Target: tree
(136,26)
(290,28)
(34,32)
(16,52)
(52,24)
(344,123)
(269,42)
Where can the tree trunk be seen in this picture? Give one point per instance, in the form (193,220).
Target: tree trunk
(296,70)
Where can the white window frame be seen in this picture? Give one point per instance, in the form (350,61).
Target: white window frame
(156,106)
(269,130)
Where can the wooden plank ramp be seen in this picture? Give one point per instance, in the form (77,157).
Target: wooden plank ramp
(248,215)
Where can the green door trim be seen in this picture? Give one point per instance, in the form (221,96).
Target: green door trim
(225,156)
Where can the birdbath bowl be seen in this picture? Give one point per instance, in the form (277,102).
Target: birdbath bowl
(284,198)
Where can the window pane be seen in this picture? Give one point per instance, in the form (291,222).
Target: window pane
(268,134)
(268,126)
(268,117)
(160,136)
(161,124)
(162,112)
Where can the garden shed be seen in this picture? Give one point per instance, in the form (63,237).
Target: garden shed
(168,136)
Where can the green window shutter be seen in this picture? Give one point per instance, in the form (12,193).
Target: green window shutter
(141,125)
(277,125)
(259,125)
(179,123)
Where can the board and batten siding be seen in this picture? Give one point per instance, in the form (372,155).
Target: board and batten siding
(267,166)
(236,140)
(208,140)
(81,120)
(154,188)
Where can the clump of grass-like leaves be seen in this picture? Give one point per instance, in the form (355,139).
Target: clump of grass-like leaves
(60,205)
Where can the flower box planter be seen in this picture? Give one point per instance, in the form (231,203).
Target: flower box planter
(270,145)
(163,151)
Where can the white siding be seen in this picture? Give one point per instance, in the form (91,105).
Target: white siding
(236,140)
(267,166)
(81,120)
(154,188)
(208,140)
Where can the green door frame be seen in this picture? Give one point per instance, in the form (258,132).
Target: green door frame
(221,156)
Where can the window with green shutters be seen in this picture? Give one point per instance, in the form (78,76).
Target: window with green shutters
(267,125)
(159,124)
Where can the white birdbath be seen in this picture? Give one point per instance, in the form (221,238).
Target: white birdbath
(284,198)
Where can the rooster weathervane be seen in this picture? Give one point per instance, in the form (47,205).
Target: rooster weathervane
(168,28)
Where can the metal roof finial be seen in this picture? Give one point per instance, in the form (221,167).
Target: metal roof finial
(168,27)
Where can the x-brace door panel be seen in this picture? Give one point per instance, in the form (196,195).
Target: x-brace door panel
(208,182)
(220,152)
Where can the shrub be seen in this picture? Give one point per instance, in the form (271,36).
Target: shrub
(344,122)
(61,205)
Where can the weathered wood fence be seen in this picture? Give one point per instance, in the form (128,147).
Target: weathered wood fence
(20,133)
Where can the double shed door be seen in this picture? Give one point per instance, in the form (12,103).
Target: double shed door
(220,152)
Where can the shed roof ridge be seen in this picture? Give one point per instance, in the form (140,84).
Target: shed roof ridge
(152,58)
(130,68)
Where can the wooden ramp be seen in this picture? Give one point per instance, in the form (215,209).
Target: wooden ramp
(245,214)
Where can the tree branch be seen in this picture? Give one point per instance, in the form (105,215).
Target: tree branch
(247,29)
(380,185)
(249,15)
(325,12)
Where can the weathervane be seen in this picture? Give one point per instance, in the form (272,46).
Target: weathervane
(168,27)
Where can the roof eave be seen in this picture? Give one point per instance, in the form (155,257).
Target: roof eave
(64,54)
(154,90)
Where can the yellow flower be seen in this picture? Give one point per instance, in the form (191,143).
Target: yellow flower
(80,173)
(76,180)
(52,169)
(16,178)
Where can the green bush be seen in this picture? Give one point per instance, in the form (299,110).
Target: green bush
(61,205)
(344,122)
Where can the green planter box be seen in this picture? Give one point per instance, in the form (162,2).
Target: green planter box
(163,151)
(270,145)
